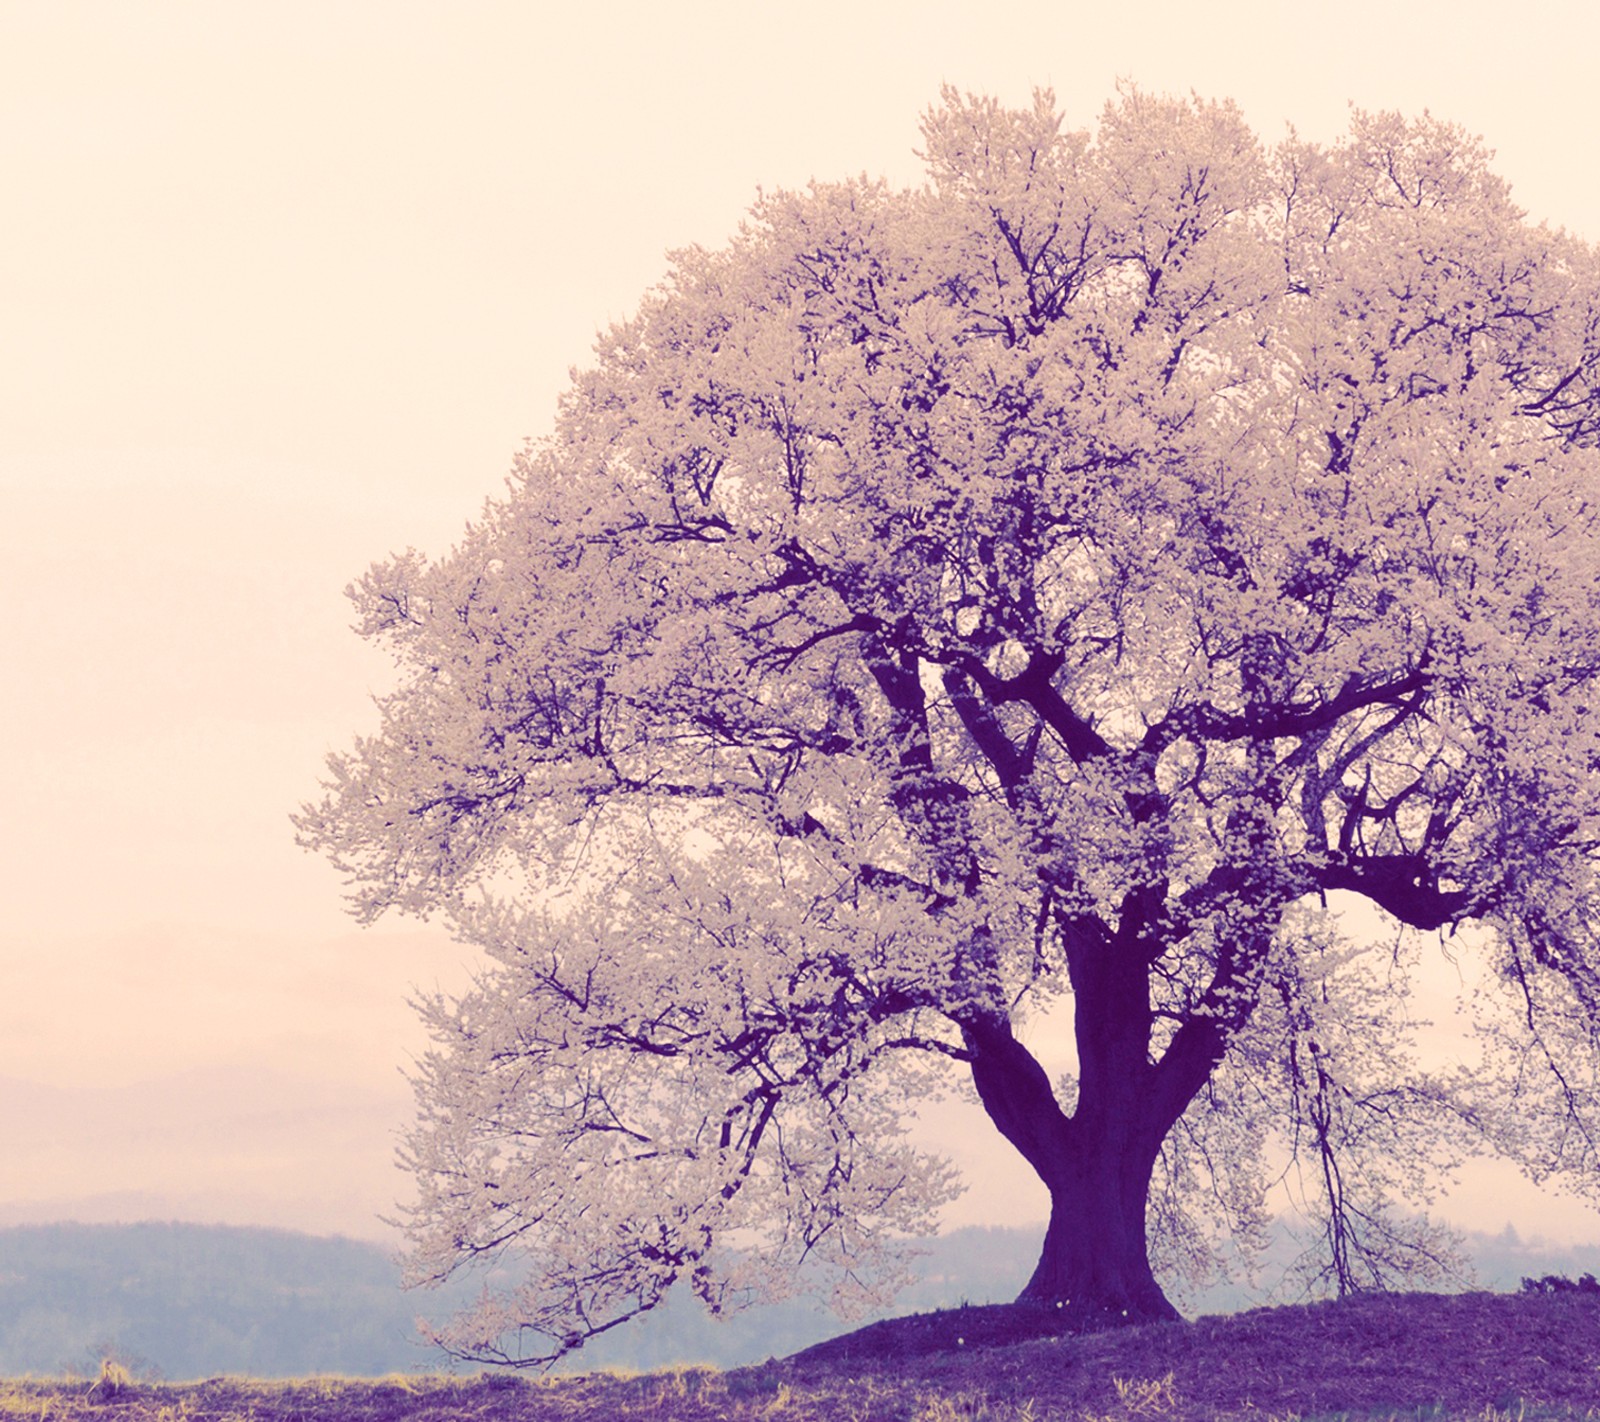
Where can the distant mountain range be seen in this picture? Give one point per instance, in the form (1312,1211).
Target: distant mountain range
(188,1301)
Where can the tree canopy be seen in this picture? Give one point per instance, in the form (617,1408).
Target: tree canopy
(1058,589)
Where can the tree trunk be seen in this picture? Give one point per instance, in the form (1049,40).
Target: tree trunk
(1097,1163)
(1095,1260)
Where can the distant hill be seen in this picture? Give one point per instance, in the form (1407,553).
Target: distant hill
(188,1301)
(191,1301)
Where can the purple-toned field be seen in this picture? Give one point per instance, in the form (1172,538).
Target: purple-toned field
(1480,1355)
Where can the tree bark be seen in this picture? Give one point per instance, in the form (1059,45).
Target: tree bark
(1097,1166)
(1095,1260)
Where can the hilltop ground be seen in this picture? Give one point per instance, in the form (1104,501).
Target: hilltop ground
(1477,1355)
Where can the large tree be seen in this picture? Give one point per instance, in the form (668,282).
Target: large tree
(1051,596)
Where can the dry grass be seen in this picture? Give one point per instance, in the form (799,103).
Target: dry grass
(1489,1357)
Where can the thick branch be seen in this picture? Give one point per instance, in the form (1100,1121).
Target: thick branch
(1017,1094)
(1201,1041)
(1403,885)
(1034,686)
(1206,723)
(977,716)
(930,803)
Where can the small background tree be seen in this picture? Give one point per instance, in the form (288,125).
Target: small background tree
(1058,589)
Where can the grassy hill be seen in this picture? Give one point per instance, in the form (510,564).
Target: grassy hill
(1493,1357)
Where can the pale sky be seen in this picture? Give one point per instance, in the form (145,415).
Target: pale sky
(284,287)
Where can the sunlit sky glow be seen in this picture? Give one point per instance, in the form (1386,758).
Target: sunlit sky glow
(284,286)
